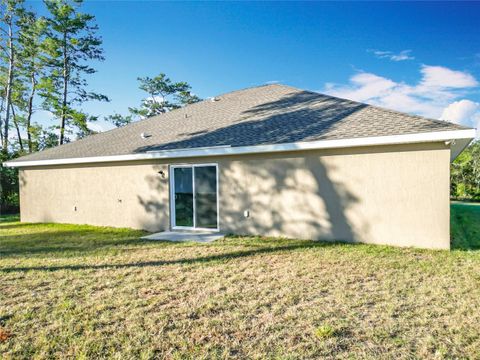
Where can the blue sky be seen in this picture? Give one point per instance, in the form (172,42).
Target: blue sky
(422,58)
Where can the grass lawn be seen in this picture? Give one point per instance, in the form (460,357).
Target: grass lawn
(86,292)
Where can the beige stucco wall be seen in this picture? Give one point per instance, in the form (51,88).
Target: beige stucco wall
(396,195)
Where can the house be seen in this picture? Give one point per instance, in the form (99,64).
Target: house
(270,160)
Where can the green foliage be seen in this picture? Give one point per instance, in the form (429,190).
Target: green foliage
(324,331)
(45,56)
(43,138)
(43,60)
(9,200)
(164,95)
(119,120)
(186,97)
(11,11)
(32,70)
(465,174)
(70,46)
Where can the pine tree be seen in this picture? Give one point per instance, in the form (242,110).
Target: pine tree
(71,45)
(33,61)
(11,11)
(164,95)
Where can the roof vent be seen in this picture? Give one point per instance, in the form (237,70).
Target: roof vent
(145,135)
(213,99)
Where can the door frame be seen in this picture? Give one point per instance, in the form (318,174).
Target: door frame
(172,197)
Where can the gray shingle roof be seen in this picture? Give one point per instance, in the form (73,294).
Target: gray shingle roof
(270,114)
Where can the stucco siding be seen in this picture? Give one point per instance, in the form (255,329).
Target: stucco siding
(122,196)
(396,195)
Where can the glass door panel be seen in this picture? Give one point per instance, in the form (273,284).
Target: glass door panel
(205,178)
(183,193)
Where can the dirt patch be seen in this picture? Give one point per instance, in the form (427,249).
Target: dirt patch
(4,335)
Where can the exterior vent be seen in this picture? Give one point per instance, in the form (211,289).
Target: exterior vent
(145,135)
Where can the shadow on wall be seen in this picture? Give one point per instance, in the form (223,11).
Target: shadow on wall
(295,197)
(156,204)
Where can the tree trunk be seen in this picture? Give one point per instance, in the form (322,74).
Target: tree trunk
(1,121)
(65,91)
(15,122)
(8,95)
(30,111)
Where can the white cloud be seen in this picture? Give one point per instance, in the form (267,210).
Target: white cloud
(461,112)
(435,95)
(401,56)
(442,77)
(363,87)
(272,82)
(158,99)
(100,126)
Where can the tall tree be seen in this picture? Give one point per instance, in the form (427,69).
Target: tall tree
(3,88)
(164,95)
(18,103)
(71,45)
(32,58)
(11,11)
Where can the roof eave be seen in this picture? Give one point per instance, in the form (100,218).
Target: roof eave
(457,139)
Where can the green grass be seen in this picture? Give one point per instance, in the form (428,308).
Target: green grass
(465,225)
(71,291)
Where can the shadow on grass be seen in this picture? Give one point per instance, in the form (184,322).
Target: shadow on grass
(9,218)
(83,246)
(14,225)
(53,240)
(188,261)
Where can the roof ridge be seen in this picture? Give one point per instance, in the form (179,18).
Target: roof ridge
(251,88)
(200,102)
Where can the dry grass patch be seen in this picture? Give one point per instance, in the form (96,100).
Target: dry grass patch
(78,291)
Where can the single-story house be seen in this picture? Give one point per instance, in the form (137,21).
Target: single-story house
(270,160)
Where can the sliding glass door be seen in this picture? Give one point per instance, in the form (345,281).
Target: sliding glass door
(194,190)
(183,196)
(205,179)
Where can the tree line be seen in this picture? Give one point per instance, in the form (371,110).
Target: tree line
(465,174)
(43,65)
(45,62)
